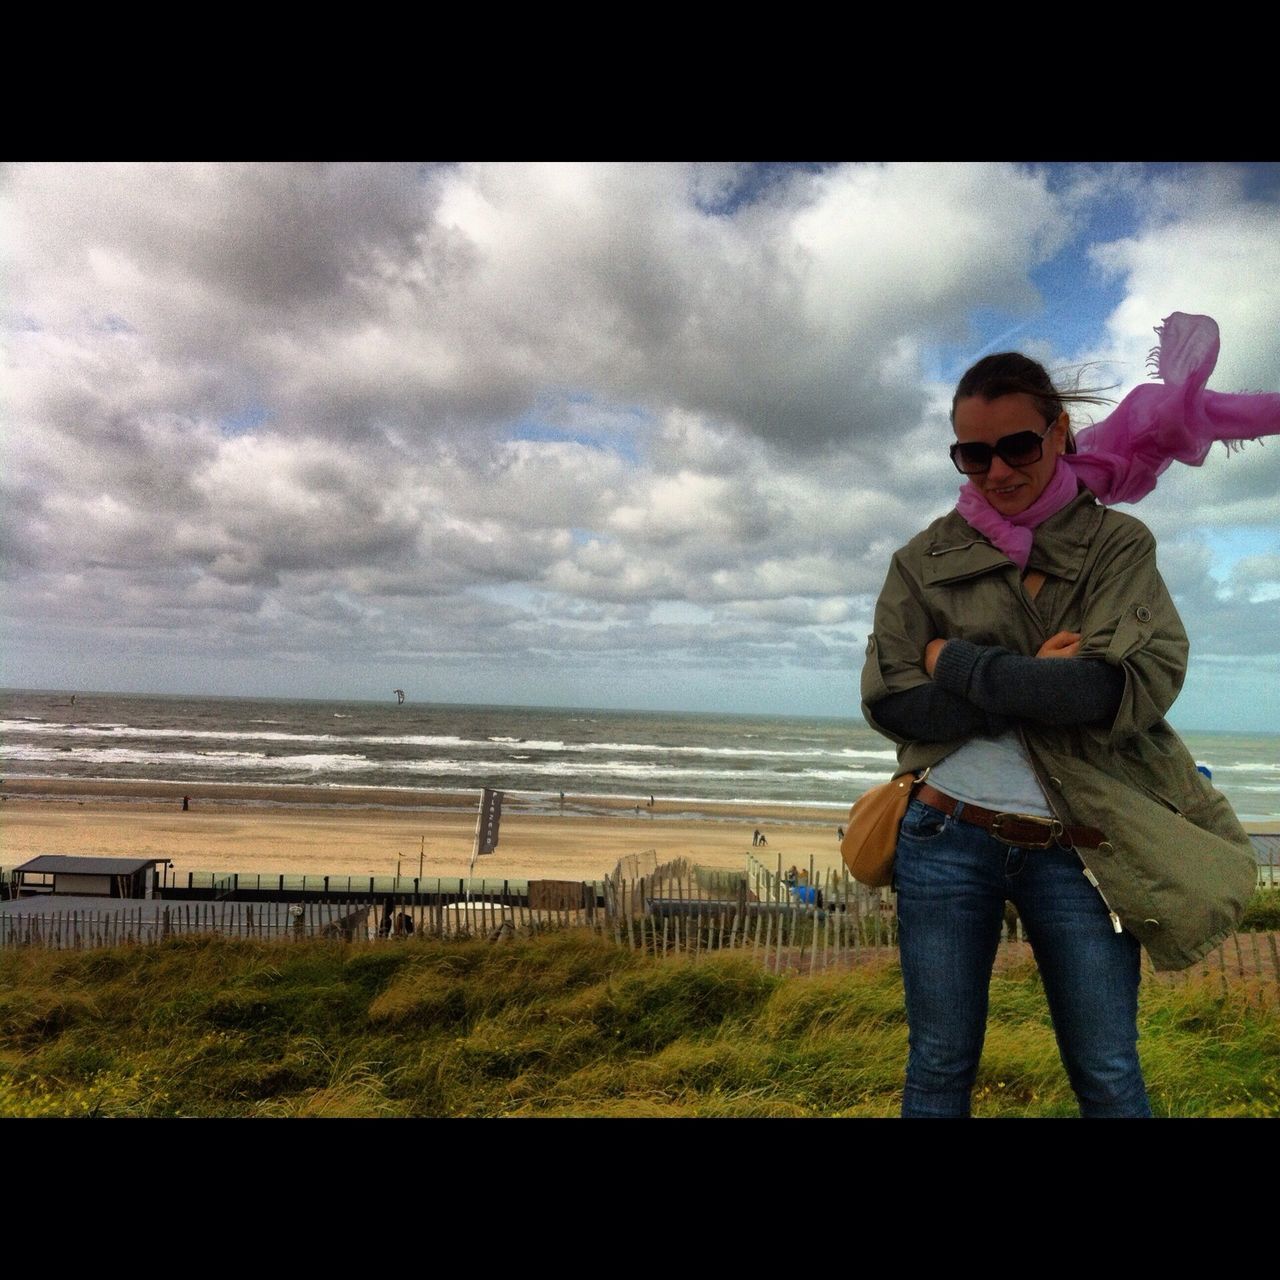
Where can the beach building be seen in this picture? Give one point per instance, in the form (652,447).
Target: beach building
(61,900)
(62,874)
(1267,847)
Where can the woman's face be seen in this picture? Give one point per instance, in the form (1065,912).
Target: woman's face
(1010,490)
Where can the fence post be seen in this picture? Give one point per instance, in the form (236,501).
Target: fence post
(611,897)
(1257,961)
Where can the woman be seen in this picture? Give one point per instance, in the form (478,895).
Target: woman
(1025,652)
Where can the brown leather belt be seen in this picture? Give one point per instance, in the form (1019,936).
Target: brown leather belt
(1022,830)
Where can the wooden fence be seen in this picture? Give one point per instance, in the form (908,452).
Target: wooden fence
(145,922)
(678,909)
(684,909)
(155,921)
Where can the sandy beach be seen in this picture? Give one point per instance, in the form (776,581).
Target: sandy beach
(338,831)
(368,831)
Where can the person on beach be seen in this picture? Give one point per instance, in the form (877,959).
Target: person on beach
(1024,653)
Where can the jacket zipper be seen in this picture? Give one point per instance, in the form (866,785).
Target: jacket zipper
(964,546)
(1088,874)
(1093,880)
(960,546)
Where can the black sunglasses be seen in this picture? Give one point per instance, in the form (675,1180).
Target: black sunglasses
(1020,449)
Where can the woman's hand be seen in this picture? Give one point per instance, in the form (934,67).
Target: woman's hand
(931,651)
(1064,644)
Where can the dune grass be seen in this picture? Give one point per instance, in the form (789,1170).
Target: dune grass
(563,1024)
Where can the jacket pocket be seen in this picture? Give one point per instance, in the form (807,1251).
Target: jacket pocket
(1159,766)
(922,822)
(1131,633)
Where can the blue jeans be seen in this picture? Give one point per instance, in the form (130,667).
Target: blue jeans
(952,880)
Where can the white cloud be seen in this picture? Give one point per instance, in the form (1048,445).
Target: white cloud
(1205,249)
(265,411)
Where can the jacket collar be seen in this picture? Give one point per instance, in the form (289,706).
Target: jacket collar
(957,550)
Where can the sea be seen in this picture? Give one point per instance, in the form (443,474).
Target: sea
(532,753)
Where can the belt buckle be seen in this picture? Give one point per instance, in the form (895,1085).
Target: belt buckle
(1052,827)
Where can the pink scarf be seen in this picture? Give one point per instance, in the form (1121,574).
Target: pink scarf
(1121,458)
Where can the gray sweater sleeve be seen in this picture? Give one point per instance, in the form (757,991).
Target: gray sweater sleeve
(930,713)
(1059,691)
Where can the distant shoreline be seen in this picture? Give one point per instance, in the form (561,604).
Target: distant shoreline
(246,795)
(241,796)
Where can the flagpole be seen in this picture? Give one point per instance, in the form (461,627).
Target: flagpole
(475,844)
(486,840)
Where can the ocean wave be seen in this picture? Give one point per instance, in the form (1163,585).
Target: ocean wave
(132,731)
(246,760)
(413,740)
(652,773)
(240,735)
(445,740)
(129,755)
(534,751)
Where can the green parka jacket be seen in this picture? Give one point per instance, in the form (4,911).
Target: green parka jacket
(1177,869)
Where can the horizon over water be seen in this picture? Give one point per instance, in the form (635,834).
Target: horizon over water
(537,752)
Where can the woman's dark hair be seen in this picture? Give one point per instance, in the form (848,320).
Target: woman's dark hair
(1009,373)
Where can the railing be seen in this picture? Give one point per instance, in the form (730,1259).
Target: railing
(153,921)
(122,922)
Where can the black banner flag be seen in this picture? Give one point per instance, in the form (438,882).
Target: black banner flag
(490,816)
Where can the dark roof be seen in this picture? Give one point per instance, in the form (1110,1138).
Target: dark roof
(69,865)
(1267,846)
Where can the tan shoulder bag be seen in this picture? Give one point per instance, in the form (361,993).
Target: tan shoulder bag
(871,836)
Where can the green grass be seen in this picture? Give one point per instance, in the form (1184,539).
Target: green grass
(564,1024)
(1263,911)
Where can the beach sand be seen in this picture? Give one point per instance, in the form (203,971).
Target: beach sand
(365,831)
(305,831)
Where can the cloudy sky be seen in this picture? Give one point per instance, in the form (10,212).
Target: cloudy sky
(626,436)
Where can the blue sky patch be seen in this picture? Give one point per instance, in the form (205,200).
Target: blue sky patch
(248,419)
(1230,544)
